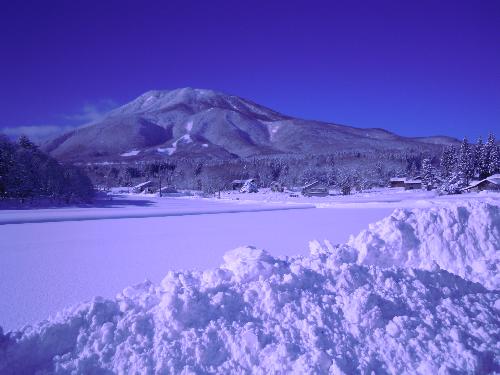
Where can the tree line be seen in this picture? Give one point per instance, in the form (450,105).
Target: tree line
(344,170)
(459,165)
(449,168)
(28,174)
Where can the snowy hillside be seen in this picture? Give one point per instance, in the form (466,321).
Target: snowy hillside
(352,308)
(196,122)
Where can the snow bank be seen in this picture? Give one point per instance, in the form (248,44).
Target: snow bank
(322,313)
(462,238)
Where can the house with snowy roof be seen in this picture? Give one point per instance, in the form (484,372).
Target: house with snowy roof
(491,183)
(407,183)
(397,182)
(316,189)
(238,184)
(141,187)
(277,186)
(413,184)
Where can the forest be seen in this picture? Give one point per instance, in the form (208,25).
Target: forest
(449,169)
(28,175)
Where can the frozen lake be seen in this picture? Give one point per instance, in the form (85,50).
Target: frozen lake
(58,257)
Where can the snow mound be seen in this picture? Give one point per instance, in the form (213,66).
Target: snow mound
(260,314)
(339,310)
(463,238)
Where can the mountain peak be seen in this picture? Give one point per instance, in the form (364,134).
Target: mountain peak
(181,92)
(191,122)
(157,100)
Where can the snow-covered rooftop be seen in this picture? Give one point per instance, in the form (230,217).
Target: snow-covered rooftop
(243,181)
(131,153)
(310,184)
(142,184)
(494,179)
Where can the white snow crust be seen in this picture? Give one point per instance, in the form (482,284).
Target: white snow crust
(352,308)
(461,238)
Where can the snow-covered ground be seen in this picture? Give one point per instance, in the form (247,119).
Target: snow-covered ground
(53,258)
(141,206)
(374,198)
(416,292)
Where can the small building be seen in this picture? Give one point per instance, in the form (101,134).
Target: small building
(316,189)
(277,187)
(142,187)
(249,187)
(238,184)
(396,182)
(491,183)
(169,190)
(413,184)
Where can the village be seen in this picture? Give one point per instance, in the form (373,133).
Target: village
(313,189)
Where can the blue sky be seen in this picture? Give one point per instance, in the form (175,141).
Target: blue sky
(412,67)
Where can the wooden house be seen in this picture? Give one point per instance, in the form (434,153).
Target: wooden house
(142,187)
(413,184)
(491,183)
(315,189)
(397,182)
(249,187)
(277,186)
(238,184)
(169,190)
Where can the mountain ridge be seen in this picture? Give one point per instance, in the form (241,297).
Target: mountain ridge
(191,122)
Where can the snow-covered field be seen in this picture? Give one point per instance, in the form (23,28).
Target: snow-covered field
(416,292)
(375,198)
(53,258)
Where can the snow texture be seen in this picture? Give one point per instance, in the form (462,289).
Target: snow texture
(322,313)
(462,238)
(100,257)
(373,198)
(147,206)
(186,138)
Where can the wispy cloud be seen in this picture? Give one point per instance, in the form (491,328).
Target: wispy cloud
(37,133)
(91,112)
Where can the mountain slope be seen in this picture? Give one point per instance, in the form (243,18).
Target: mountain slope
(195,122)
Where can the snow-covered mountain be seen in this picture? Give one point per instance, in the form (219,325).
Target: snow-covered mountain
(195,122)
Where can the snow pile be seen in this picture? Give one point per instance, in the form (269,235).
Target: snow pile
(462,238)
(323,313)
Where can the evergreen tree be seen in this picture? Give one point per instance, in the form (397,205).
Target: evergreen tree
(28,173)
(427,174)
(25,143)
(478,154)
(494,164)
(466,161)
(448,161)
(7,152)
(486,156)
(454,183)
